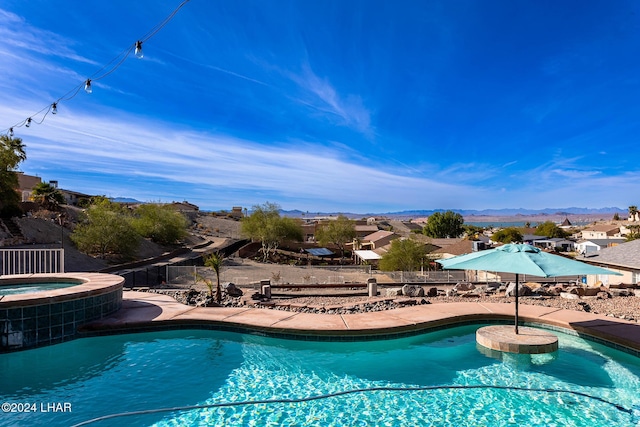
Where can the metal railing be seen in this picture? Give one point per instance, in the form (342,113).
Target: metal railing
(30,261)
(181,276)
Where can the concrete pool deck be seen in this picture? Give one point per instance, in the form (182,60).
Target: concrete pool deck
(143,311)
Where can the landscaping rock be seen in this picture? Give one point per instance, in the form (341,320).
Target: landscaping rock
(412,291)
(463,287)
(523,291)
(232,290)
(393,292)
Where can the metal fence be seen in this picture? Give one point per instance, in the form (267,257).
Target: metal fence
(181,276)
(30,261)
(425,276)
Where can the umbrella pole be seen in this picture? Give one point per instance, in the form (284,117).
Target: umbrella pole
(517,292)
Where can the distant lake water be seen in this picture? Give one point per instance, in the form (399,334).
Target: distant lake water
(517,224)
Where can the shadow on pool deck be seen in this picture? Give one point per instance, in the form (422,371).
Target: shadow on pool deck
(143,311)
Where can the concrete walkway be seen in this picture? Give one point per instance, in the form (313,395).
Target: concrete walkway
(143,311)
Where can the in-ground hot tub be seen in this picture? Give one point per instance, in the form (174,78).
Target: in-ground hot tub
(50,307)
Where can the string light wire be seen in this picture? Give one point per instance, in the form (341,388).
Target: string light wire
(103,72)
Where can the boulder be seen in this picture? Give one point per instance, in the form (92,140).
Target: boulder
(555,290)
(567,295)
(451,292)
(464,287)
(593,291)
(523,291)
(433,292)
(534,286)
(232,290)
(618,292)
(412,291)
(576,290)
(393,292)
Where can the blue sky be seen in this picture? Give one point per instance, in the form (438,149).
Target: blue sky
(333,105)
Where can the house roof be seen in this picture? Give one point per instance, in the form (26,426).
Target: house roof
(367,255)
(532,237)
(443,243)
(370,228)
(459,248)
(319,251)
(603,242)
(603,228)
(378,235)
(624,255)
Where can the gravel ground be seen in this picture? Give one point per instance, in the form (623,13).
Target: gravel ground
(627,308)
(622,307)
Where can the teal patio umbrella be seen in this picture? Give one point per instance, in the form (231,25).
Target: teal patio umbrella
(522,259)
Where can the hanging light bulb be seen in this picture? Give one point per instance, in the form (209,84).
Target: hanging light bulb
(138,52)
(87,86)
(28,122)
(54,108)
(11,132)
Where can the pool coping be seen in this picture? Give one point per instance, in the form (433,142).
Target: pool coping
(143,311)
(88,284)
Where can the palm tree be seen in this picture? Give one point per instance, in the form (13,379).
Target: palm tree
(215,261)
(11,155)
(48,195)
(633,210)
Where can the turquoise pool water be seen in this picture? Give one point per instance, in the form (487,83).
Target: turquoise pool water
(25,288)
(106,375)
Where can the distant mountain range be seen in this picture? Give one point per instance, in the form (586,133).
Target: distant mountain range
(471,212)
(426,212)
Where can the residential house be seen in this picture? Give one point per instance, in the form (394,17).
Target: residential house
(185,207)
(363,230)
(72,198)
(555,243)
(26,184)
(461,247)
(590,246)
(309,231)
(531,239)
(236,212)
(623,258)
(378,239)
(566,224)
(601,231)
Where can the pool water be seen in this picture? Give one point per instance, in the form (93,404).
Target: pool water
(26,288)
(136,372)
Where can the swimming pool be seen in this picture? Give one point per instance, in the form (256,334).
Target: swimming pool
(44,309)
(136,372)
(26,288)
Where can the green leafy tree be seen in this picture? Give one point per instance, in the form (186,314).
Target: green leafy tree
(404,255)
(215,261)
(267,226)
(160,223)
(447,224)
(106,230)
(338,232)
(472,230)
(634,233)
(12,153)
(550,230)
(507,235)
(48,196)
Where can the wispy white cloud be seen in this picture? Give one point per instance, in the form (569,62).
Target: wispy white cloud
(126,149)
(319,93)
(18,33)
